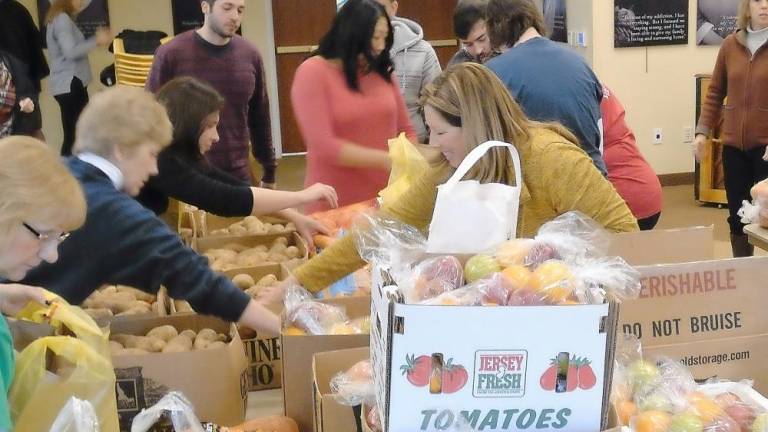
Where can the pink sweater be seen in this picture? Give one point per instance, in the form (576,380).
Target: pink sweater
(329,113)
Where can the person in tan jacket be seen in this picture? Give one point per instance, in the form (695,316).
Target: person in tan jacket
(464,107)
(740,78)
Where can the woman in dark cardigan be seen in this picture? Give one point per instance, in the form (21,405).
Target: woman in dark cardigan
(184,174)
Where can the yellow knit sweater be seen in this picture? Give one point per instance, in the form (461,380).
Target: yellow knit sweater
(557,177)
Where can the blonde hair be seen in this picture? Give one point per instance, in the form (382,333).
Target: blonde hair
(58,7)
(743,18)
(37,188)
(122,117)
(470,96)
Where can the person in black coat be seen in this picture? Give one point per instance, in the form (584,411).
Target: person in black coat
(20,37)
(24,112)
(184,174)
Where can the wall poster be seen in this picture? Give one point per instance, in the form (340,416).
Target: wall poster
(715,20)
(94,15)
(650,23)
(556,20)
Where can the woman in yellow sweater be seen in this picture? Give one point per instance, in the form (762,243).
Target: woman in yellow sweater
(466,106)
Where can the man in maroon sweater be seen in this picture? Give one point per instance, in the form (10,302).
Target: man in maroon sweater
(215,54)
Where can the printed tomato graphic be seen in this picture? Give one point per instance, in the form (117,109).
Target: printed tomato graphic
(549,378)
(587,378)
(572,382)
(454,377)
(417,369)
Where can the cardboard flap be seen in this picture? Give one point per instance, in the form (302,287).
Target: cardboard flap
(664,246)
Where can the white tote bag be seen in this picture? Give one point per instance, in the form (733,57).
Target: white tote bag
(471,217)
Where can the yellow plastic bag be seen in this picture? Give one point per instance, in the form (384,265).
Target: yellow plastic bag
(53,369)
(407,165)
(68,320)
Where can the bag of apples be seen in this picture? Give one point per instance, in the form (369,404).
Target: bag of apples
(757,210)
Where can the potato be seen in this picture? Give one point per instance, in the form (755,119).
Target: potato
(189,334)
(138,294)
(234,247)
(292,252)
(274,229)
(115,347)
(268,280)
(182,306)
(204,338)
(290,226)
(165,333)
(238,230)
(243,281)
(98,313)
(180,343)
(149,344)
(110,289)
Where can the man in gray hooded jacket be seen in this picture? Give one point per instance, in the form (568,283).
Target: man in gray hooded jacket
(416,64)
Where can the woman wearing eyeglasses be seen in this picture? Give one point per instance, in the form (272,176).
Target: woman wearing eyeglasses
(40,201)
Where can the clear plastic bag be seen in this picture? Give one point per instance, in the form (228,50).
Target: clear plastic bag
(178,410)
(312,316)
(354,386)
(570,237)
(609,278)
(76,416)
(434,276)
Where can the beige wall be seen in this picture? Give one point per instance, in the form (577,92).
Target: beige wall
(656,85)
(156,15)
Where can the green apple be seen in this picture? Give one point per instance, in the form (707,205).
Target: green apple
(641,373)
(479,267)
(654,402)
(761,423)
(686,422)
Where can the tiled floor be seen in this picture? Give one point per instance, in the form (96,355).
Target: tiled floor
(680,210)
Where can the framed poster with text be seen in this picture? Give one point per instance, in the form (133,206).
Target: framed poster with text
(715,19)
(650,23)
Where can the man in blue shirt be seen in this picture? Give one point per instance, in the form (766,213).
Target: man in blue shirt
(549,81)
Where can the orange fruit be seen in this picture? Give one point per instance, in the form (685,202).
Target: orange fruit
(513,252)
(625,410)
(554,280)
(517,276)
(294,331)
(652,421)
(704,407)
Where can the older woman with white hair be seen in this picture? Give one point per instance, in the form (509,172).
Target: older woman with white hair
(40,202)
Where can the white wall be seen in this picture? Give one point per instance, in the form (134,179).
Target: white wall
(156,15)
(656,85)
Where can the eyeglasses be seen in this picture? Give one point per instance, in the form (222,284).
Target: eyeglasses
(43,237)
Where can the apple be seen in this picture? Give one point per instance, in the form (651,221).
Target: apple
(686,422)
(479,267)
(641,373)
(742,414)
(727,399)
(539,253)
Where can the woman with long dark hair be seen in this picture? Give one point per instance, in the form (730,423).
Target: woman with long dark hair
(184,174)
(348,104)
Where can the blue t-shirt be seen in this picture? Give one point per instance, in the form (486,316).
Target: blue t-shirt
(553,83)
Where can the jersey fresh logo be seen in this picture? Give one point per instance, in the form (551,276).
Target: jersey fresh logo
(500,374)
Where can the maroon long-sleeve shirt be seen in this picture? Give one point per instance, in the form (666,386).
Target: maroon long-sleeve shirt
(236,71)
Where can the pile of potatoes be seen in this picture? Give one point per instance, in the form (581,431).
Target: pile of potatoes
(119,300)
(166,339)
(253,225)
(252,287)
(234,255)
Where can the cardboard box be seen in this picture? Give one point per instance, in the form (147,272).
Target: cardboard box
(664,246)
(330,415)
(711,315)
(213,380)
(502,360)
(208,222)
(297,361)
(294,239)
(263,349)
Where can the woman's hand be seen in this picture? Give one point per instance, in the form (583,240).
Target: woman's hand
(307,227)
(104,36)
(765,155)
(275,294)
(26,105)
(13,297)
(699,144)
(320,192)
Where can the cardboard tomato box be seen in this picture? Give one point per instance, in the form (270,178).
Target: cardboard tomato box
(498,368)
(711,315)
(330,415)
(664,246)
(214,380)
(297,353)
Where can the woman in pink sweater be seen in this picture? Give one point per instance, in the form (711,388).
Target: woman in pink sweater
(348,104)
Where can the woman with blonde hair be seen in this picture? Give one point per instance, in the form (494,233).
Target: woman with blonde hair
(40,202)
(740,75)
(465,107)
(70,69)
